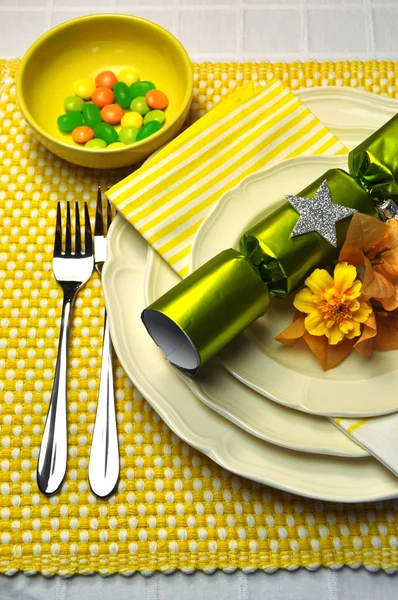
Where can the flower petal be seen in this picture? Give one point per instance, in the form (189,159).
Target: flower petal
(390,303)
(293,332)
(355,331)
(344,276)
(363,313)
(346,326)
(355,290)
(334,335)
(314,324)
(303,301)
(331,295)
(354,305)
(319,281)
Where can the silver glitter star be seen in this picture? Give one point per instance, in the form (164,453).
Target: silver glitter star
(319,214)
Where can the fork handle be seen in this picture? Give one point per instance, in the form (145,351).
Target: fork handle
(103,471)
(51,467)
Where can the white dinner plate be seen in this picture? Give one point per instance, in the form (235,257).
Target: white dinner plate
(316,476)
(329,478)
(291,375)
(240,404)
(351,114)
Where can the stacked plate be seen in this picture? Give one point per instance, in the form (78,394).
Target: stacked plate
(262,409)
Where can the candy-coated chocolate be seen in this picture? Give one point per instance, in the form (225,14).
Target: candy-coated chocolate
(140,106)
(91,114)
(140,88)
(127,135)
(73,104)
(132,119)
(112,114)
(70,121)
(95,144)
(82,134)
(102,96)
(129,75)
(122,94)
(84,88)
(106,132)
(106,79)
(117,145)
(147,130)
(156,99)
(155,115)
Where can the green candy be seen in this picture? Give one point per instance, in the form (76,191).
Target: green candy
(69,121)
(139,105)
(106,132)
(122,94)
(91,114)
(73,104)
(96,144)
(127,135)
(140,88)
(148,129)
(155,115)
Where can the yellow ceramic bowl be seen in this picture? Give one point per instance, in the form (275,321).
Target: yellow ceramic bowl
(83,48)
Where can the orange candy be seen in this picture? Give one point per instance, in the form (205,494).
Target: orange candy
(106,79)
(82,134)
(102,96)
(156,99)
(112,114)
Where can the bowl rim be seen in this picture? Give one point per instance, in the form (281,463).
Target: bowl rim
(100,17)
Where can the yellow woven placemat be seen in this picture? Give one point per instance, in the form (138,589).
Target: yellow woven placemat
(175,508)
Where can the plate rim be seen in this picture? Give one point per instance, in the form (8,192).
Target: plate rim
(336,91)
(221,454)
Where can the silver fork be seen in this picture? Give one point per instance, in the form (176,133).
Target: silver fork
(103,471)
(72,269)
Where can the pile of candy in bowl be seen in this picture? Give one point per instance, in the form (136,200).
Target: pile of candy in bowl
(113,111)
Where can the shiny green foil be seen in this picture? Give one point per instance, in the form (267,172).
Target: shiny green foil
(375,162)
(210,307)
(284,261)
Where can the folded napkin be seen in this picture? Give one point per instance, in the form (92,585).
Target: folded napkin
(379,435)
(169,196)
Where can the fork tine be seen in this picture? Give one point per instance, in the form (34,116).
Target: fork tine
(68,231)
(88,236)
(78,235)
(99,223)
(58,232)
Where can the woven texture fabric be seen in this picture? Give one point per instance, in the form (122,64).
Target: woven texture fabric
(174,508)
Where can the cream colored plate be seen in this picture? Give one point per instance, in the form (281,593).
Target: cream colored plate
(243,406)
(323,477)
(291,376)
(351,114)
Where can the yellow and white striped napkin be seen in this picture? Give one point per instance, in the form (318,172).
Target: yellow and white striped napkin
(378,435)
(169,196)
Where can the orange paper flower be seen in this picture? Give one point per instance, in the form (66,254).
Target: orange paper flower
(343,312)
(373,245)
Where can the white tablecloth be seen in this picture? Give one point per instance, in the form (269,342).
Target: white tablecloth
(323,584)
(222,30)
